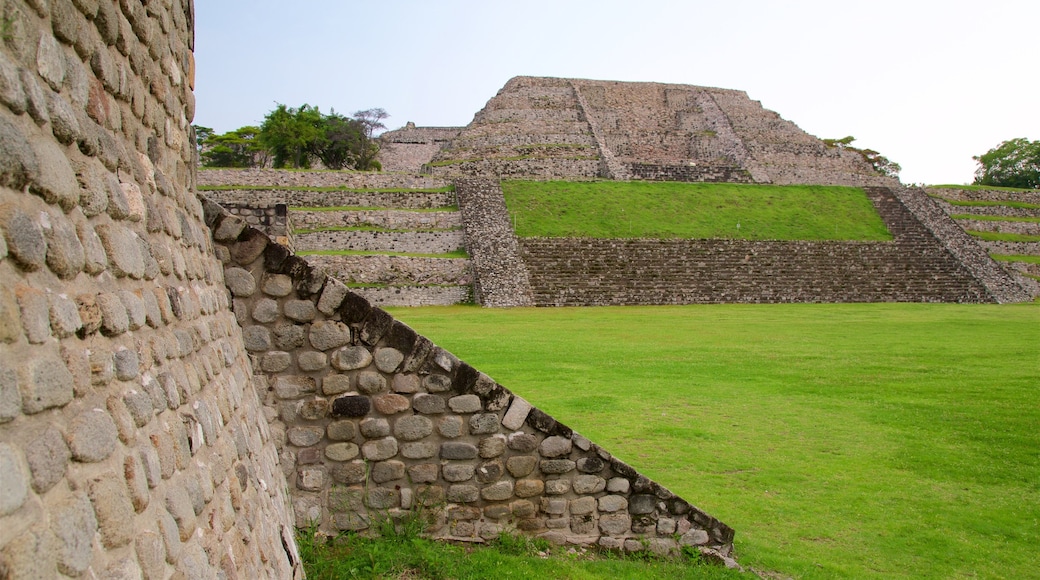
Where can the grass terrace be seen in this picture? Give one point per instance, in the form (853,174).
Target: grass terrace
(839,440)
(607,209)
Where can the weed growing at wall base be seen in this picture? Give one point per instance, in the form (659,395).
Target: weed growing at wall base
(839,440)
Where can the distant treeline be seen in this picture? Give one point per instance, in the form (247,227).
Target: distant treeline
(297,137)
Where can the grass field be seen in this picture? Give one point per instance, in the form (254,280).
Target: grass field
(691,210)
(840,441)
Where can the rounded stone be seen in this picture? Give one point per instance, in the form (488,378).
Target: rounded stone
(14,480)
(413,427)
(240,282)
(464,404)
(492,446)
(275,361)
(300,310)
(257,338)
(591,464)
(310,361)
(329,334)
(380,449)
(351,358)
(483,424)
(437,383)
(450,426)
(92,436)
(557,486)
(48,457)
(341,430)
(351,406)
(618,485)
(335,384)
(406,383)
(418,449)
(521,465)
(490,471)
(694,538)
(65,255)
(463,493)
(529,487)
(522,442)
(642,504)
(375,427)
(457,472)
(385,471)
(428,404)
(499,491)
(585,484)
(305,436)
(388,359)
(341,451)
(391,404)
(265,311)
(458,450)
(612,503)
(371,382)
(25,240)
(424,472)
(552,447)
(277,285)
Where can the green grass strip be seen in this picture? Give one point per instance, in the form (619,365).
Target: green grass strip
(983,188)
(1016,258)
(1015,204)
(340,188)
(839,440)
(1003,237)
(439,209)
(461,254)
(370,229)
(994,218)
(606,209)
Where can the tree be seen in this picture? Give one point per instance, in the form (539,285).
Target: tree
(344,140)
(293,135)
(878,162)
(1013,163)
(238,148)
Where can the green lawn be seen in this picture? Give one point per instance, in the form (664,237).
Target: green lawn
(840,441)
(691,210)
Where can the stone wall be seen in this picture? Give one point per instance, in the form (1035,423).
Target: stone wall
(273,219)
(344,179)
(409,148)
(132,440)
(501,279)
(916,266)
(373,421)
(305,198)
(413,242)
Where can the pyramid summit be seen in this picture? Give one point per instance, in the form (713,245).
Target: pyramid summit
(583,129)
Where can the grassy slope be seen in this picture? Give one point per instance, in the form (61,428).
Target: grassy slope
(862,441)
(691,210)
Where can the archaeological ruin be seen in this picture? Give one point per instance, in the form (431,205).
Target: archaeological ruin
(180,391)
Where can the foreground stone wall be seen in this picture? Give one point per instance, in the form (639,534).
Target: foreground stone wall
(374,421)
(132,440)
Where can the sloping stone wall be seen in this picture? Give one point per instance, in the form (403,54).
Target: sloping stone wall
(500,278)
(409,148)
(916,266)
(132,440)
(373,421)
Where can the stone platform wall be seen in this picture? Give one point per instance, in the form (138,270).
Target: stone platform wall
(917,266)
(373,421)
(132,440)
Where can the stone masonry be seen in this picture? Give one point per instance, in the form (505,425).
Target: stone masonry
(373,421)
(132,440)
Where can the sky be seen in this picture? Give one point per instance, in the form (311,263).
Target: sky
(928,84)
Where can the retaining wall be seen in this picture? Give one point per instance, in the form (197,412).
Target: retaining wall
(132,440)
(412,242)
(345,179)
(374,421)
(916,267)
(303,198)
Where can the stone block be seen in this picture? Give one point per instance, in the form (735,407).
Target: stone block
(14,479)
(382,498)
(557,486)
(492,446)
(379,449)
(74,525)
(351,358)
(458,450)
(463,493)
(92,436)
(587,484)
(115,511)
(265,311)
(499,491)
(329,334)
(490,471)
(694,537)
(612,503)
(450,426)
(277,285)
(419,449)
(529,487)
(240,282)
(464,404)
(375,427)
(341,451)
(353,472)
(305,436)
(391,404)
(590,464)
(65,255)
(300,310)
(615,524)
(289,336)
(335,384)
(437,383)
(293,386)
(413,427)
(458,472)
(351,406)
(312,361)
(618,485)
(555,446)
(35,310)
(428,404)
(556,466)
(341,430)
(384,471)
(48,456)
(642,504)
(406,383)
(275,361)
(522,442)
(521,465)
(424,473)
(310,478)
(371,382)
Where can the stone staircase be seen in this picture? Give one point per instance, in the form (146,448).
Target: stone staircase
(394,245)
(982,213)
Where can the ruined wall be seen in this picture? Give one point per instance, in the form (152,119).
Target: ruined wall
(132,440)
(374,421)
(409,148)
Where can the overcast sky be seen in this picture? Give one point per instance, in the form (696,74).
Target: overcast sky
(929,84)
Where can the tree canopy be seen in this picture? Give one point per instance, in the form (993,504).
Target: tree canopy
(297,137)
(881,164)
(1013,163)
